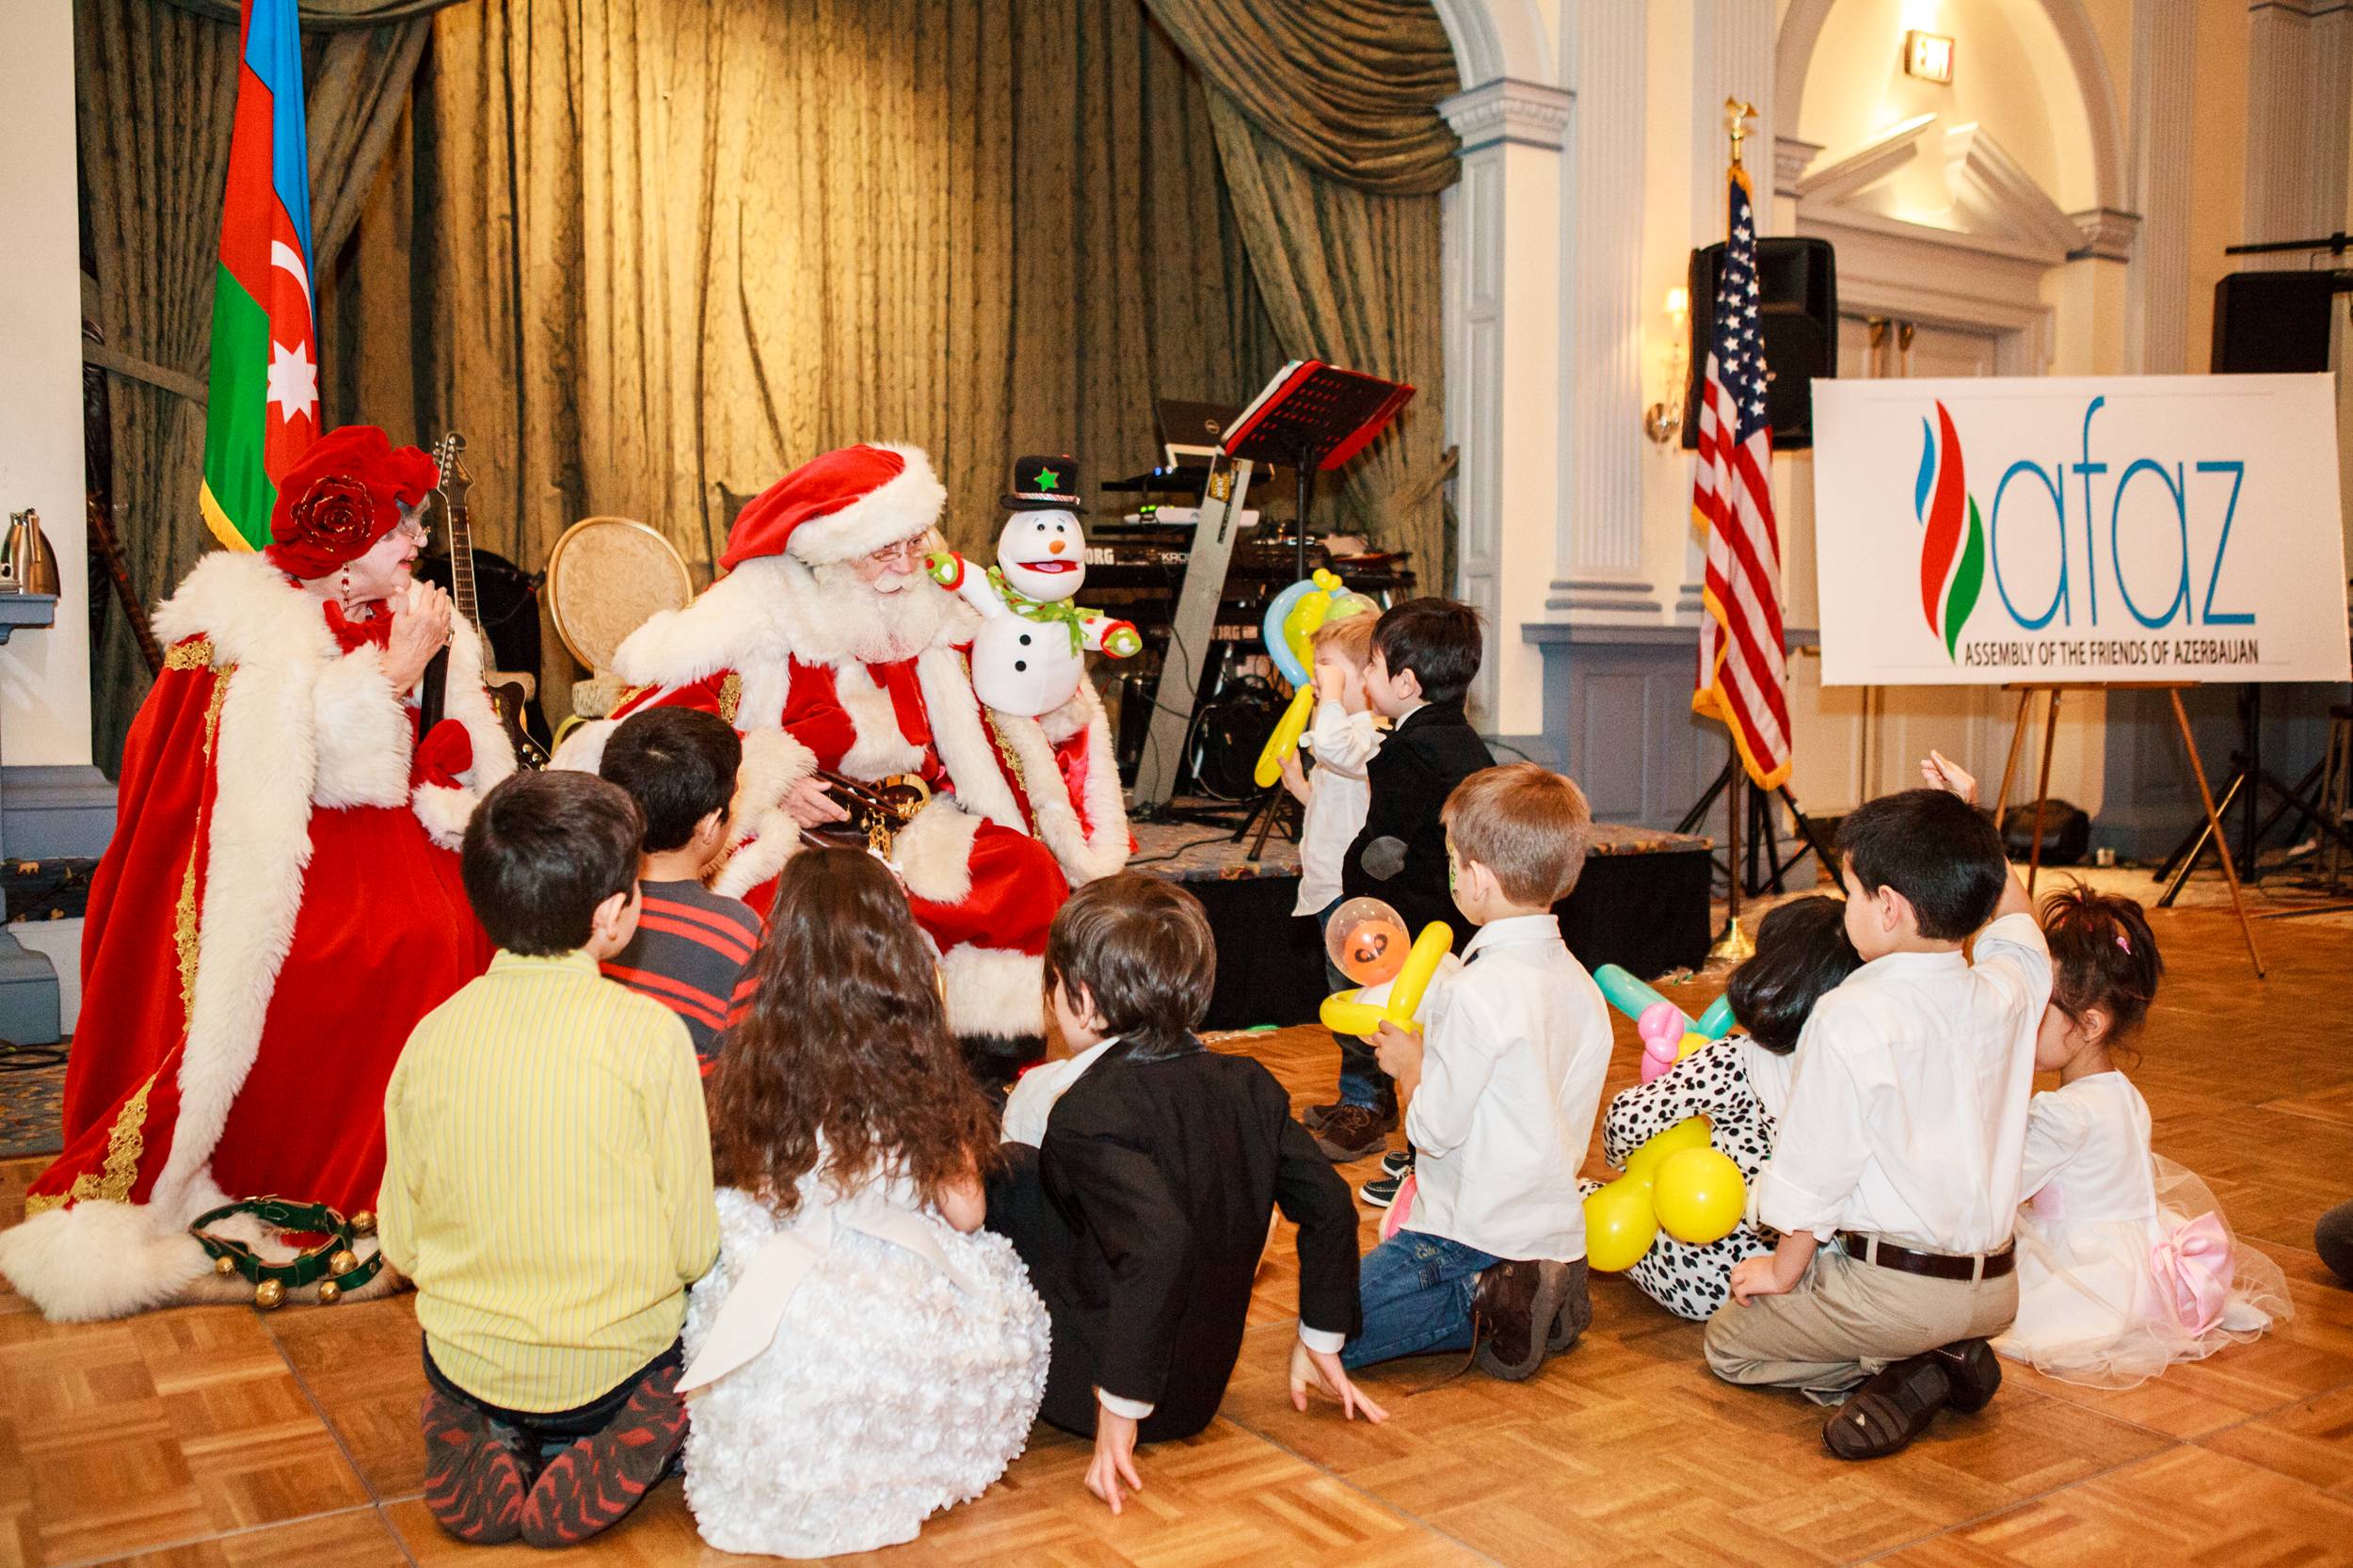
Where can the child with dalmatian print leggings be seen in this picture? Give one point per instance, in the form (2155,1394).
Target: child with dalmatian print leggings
(1739,1084)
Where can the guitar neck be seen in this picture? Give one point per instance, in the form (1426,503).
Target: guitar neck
(462,568)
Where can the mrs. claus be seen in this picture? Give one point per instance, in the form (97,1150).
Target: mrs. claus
(828,645)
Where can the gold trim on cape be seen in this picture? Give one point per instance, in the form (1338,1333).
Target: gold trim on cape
(195,655)
(731,695)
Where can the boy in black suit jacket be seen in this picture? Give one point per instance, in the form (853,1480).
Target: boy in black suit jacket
(1144,1210)
(1425,654)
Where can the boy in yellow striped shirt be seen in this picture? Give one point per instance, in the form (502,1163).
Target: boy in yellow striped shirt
(546,1185)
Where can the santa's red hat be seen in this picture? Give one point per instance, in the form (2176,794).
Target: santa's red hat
(341,495)
(839,506)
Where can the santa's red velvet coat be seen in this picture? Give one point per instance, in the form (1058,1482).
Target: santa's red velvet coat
(279,907)
(1026,807)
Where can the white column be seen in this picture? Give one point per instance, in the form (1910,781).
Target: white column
(1732,56)
(1503,376)
(2165,67)
(2299,75)
(1600,525)
(44,673)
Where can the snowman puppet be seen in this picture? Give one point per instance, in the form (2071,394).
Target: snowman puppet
(1028,659)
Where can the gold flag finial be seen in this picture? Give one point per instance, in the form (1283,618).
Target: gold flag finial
(1737,114)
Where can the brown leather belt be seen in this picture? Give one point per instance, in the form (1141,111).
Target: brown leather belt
(1935,1265)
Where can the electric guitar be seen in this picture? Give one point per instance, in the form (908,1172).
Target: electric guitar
(509,690)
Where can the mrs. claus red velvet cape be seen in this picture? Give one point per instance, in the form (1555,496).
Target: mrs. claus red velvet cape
(271,822)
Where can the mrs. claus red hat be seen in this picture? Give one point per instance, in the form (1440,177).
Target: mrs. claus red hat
(839,506)
(341,496)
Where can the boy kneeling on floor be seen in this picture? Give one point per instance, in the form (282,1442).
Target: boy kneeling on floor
(546,1185)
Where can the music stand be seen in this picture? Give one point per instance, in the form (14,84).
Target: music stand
(1314,417)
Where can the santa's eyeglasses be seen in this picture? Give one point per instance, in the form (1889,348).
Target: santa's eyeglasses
(910,551)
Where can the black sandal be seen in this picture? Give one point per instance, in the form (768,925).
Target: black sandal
(1884,1416)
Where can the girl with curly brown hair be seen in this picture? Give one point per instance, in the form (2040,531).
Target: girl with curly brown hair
(864,1354)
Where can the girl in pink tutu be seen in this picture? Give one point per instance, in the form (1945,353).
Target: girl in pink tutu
(2125,1264)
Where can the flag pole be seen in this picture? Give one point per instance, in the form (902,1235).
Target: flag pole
(1734,944)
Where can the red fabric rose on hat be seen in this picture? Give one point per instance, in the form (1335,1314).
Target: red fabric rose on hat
(341,496)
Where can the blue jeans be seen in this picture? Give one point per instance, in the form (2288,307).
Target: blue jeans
(1362,1082)
(1416,1291)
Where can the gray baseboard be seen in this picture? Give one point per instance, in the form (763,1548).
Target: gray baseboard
(54,812)
(45,814)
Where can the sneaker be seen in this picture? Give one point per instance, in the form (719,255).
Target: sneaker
(1353,1132)
(1889,1411)
(474,1480)
(592,1486)
(1397,1162)
(1517,1304)
(1972,1369)
(1382,1190)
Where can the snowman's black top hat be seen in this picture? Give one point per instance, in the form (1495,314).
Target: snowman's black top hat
(1046,485)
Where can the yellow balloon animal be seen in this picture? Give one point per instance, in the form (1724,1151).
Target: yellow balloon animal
(1675,1182)
(1343,1013)
(1291,623)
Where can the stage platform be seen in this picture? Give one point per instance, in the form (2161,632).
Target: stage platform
(1642,902)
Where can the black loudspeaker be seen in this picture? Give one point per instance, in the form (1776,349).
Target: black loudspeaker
(1797,284)
(2274,322)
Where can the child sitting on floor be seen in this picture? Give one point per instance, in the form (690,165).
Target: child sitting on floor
(1739,1084)
(1901,1138)
(1425,654)
(546,1185)
(1499,1102)
(1142,1213)
(859,1359)
(693,947)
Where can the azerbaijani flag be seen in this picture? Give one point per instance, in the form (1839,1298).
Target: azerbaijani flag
(264,406)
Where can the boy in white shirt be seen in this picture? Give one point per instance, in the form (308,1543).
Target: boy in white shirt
(1902,1140)
(1500,1101)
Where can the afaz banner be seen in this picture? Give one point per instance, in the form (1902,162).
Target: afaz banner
(2108,528)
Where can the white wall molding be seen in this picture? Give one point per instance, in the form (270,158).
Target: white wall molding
(1792,157)
(2165,71)
(1508,109)
(1497,39)
(2300,76)
(2106,235)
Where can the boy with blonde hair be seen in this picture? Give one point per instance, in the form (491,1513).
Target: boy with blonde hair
(1501,1089)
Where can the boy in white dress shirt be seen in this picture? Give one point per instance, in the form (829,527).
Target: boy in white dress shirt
(1902,1139)
(1501,1089)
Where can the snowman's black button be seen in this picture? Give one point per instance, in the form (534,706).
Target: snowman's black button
(1021,663)
(1025,639)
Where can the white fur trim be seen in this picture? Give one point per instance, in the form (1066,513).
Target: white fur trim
(363,734)
(583,750)
(765,836)
(101,1259)
(934,852)
(896,509)
(446,817)
(1085,852)
(759,616)
(994,991)
(881,749)
(963,741)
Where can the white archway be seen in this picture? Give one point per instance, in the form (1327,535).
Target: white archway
(1495,39)
(1801,29)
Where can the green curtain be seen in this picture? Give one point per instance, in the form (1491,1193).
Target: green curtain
(155,91)
(1347,87)
(650,254)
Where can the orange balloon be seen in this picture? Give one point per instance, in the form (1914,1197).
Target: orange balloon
(1374,950)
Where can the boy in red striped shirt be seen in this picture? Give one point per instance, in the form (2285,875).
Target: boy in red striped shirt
(694,948)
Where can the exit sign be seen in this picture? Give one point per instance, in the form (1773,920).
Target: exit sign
(1929,56)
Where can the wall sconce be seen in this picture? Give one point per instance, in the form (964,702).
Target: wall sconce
(1662,422)
(1929,56)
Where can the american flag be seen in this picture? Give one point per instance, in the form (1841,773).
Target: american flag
(1742,677)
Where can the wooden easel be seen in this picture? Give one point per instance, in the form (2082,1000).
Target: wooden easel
(2026,690)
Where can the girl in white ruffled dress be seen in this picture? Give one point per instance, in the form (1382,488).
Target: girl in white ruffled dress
(2125,1264)
(862,1354)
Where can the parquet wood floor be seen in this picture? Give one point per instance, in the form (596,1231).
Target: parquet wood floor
(220,1437)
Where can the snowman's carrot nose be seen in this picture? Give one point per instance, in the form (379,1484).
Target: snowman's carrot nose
(1056,548)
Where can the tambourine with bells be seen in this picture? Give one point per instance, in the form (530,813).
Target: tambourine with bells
(334,1265)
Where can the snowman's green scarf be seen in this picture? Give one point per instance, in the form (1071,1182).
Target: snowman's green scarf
(1043,611)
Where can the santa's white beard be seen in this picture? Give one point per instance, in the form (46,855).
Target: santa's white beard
(881,628)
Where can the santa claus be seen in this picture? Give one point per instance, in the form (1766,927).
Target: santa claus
(830,650)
